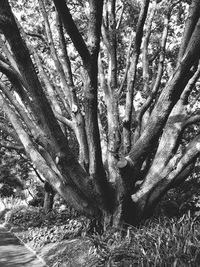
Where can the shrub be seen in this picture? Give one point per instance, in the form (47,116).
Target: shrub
(3,214)
(12,202)
(53,227)
(38,193)
(25,216)
(36,202)
(160,242)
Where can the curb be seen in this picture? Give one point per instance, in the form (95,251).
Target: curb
(29,248)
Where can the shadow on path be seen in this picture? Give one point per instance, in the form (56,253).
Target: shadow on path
(14,254)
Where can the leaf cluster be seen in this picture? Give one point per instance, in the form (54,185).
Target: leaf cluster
(161,242)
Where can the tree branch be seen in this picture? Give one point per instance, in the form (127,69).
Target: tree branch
(36,35)
(191,22)
(16,147)
(64,120)
(132,76)
(10,131)
(94,32)
(8,55)
(127,66)
(66,60)
(43,75)
(42,109)
(72,30)
(16,79)
(190,85)
(120,17)
(65,87)
(192,120)
(156,85)
(64,185)
(145,59)
(10,96)
(169,97)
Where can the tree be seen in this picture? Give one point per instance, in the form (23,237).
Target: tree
(15,171)
(73,74)
(13,168)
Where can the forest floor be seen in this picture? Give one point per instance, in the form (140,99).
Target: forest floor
(161,241)
(170,238)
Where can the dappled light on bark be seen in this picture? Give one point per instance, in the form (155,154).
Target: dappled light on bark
(102,98)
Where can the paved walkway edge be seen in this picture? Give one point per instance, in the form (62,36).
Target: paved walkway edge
(29,248)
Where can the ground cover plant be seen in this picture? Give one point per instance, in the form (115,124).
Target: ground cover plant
(161,241)
(167,239)
(42,228)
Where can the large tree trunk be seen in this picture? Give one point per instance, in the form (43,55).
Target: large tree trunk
(50,152)
(151,163)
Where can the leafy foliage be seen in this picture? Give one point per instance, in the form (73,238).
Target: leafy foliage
(161,242)
(14,171)
(38,195)
(41,229)
(12,202)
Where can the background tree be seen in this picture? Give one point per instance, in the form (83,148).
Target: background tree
(118,78)
(13,169)
(19,178)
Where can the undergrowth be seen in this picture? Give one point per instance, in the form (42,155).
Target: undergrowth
(160,242)
(33,226)
(170,238)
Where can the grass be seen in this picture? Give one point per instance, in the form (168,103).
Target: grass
(160,242)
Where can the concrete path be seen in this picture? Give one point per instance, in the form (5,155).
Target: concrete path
(14,254)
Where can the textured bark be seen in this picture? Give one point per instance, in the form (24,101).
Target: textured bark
(42,109)
(51,93)
(48,198)
(8,55)
(72,30)
(77,117)
(126,191)
(154,188)
(63,185)
(55,160)
(89,55)
(32,127)
(132,76)
(65,87)
(110,89)
(167,99)
(156,84)
(191,22)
